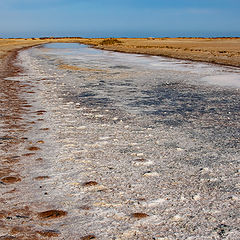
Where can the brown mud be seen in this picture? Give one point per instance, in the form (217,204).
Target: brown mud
(18,220)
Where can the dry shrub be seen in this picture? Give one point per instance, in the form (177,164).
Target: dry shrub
(110,41)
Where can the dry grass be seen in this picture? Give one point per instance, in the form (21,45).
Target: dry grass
(219,50)
(110,41)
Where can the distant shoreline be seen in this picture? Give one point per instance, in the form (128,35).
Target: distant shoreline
(224,50)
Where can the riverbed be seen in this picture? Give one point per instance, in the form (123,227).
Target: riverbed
(125,146)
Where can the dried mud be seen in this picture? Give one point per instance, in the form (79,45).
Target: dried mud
(17,219)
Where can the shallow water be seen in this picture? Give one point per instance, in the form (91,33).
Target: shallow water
(134,81)
(131,146)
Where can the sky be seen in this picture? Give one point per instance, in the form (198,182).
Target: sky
(119,18)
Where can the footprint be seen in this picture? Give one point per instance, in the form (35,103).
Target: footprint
(49,233)
(139,215)
(41,177)
(88,237)
(10,179)
(33,148)
(51,214)
(90,183)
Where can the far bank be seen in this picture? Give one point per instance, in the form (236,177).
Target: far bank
(224,51)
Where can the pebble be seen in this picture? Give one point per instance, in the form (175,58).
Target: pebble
(81,127)
(104,138)
(235,198)
(177,218)
(151,174)
(179,149)
(99,116)
(197,197)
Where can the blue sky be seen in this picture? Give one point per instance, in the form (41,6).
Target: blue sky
(139,18)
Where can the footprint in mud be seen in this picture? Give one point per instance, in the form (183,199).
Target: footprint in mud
(140,160)
(41,112)
(28,154)
(12,159)
(33,148)
(88,237)
(90,183)
(49,233)
(139,215)
(27,106)
(10,179)
(85,208)
(41,177)
(51,214)
(44,129)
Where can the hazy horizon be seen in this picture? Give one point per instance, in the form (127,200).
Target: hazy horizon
(123,35)
(125,18)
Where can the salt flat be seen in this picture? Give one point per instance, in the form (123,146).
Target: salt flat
(146,148)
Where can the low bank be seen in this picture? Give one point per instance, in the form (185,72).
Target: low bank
(225,51)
